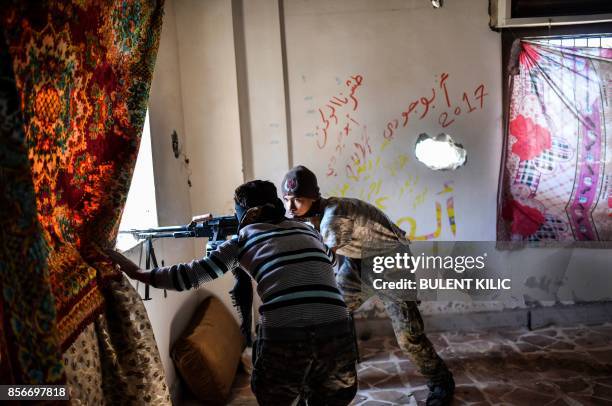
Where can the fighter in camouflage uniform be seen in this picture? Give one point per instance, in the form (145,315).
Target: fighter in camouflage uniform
(351,227)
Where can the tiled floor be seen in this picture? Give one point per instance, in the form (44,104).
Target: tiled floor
(554,366)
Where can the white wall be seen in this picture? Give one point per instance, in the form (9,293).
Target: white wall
(209,94)
(172,192)
(262,89)
(209,90)
(400,49)
(195,108)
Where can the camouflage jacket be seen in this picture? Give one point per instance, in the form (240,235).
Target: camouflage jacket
(356,228)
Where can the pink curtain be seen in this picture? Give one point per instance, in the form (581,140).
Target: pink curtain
(556,180)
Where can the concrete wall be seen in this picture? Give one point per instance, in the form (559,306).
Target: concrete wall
(172,193)
(209,91)
(400,49)
(191,94)
(266,142)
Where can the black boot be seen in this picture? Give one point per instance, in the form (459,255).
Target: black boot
(441,391)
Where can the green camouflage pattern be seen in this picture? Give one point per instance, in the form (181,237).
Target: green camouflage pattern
(405,317)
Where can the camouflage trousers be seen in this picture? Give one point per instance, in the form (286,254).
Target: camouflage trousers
(318,370)
(405,317)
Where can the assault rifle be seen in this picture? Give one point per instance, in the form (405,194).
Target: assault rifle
(217,229)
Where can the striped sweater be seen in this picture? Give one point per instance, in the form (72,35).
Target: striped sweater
(288,260)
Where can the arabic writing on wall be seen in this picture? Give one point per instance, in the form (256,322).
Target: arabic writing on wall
(421,107)
(355,158)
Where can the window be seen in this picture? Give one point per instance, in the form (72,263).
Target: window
(591,41)
(140,209)
(554,184)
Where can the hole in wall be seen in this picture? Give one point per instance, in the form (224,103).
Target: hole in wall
(440,153)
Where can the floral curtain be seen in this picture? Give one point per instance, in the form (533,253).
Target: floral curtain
(29,345)
(82,71)
(556,181)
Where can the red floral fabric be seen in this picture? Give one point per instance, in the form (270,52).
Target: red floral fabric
(531,139)
(82,69)
(525,220)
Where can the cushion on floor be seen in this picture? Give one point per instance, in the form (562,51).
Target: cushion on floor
(208,352)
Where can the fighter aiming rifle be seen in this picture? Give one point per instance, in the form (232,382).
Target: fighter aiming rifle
(217,230)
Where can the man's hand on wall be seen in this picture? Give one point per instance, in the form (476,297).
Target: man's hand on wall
(131,269)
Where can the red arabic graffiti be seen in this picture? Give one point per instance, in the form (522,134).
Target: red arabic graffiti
(422,106)
(337,118)
(329,112)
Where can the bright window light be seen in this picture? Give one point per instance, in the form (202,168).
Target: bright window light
(590,41)
(594,42)
(581,42)
(140,209)
(567,42)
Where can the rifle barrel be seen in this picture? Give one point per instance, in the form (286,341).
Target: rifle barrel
(222,225)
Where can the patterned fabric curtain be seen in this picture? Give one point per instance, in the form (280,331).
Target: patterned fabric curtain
(82,70)
(557,171)
(29,343)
